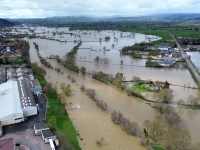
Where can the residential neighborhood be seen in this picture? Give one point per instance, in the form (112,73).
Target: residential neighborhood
(8,54)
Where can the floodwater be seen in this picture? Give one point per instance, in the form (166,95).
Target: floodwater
(195,58)
(91,122)
(91,48)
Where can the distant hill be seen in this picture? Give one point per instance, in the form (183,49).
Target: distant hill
(176,16)
(71,19)
(4,23)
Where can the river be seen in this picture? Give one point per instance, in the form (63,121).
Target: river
(88,119)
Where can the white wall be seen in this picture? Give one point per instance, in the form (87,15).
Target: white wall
(30,111)
(11,119)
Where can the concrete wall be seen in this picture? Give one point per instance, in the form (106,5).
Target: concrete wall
(12,119)
(30,111)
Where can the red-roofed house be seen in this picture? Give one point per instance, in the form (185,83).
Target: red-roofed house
(7,144)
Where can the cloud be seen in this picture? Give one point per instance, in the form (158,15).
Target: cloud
(49,8)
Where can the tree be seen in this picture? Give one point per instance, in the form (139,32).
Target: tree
(170,115)
(91,93)
(105,60)
(166,85)
(181,102)
(156,129)
(62,85)
(83,70)
(121,62)
(107,38)
(165,95)
(97,59)
(67,90)
(177,138)
(146,125)
(136,79)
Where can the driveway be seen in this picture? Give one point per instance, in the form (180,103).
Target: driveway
(28,139)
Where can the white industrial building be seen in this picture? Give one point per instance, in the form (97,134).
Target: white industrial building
(10,104)
(16,102)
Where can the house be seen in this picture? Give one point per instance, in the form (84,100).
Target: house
(164,47)
(166,63)
(7,144)
(168,54)
(39,127)
(47,134)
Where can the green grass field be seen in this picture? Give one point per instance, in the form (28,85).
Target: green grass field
(58,119)
(157,148)
(57,116)
(140,89)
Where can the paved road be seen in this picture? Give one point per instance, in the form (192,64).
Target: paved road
(190,65)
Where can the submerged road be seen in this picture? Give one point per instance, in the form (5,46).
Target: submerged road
(190,65)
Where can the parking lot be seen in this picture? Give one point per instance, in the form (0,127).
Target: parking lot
(27,140)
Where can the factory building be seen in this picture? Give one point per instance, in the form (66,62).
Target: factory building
(17,100)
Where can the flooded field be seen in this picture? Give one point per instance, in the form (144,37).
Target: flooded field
(89,120)
(195,58)
(92,47)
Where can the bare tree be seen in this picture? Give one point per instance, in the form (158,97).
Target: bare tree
(177,138)
(136,79)
(181,102)
(91,93)
(106,61)
(97,59)
(165,95)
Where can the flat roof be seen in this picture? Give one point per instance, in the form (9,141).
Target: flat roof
(47,133)
(2,71)
(36,83)
(7,144)
(9,99)
(41,125)
(25,93)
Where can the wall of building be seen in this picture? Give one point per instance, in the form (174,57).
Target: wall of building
(30,111)
(12,119)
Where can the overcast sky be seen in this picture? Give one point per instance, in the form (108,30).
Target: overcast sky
(49,8)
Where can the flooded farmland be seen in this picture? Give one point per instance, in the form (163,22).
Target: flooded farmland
(88,119)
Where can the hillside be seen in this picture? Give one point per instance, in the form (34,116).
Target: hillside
(4,23)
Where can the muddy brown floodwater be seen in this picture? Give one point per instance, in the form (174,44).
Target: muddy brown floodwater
(90,121)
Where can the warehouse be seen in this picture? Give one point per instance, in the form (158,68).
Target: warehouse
(10,104)
(16,102)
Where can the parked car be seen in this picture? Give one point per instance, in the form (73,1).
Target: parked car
(57,142)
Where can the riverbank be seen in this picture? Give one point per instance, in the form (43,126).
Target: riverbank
(194,78)
(58,119)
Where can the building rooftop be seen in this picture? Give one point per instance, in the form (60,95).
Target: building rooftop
(47,133)
(9,99)
(36,83)
(25,93)
(7,144)
(2,71)
(41,125)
